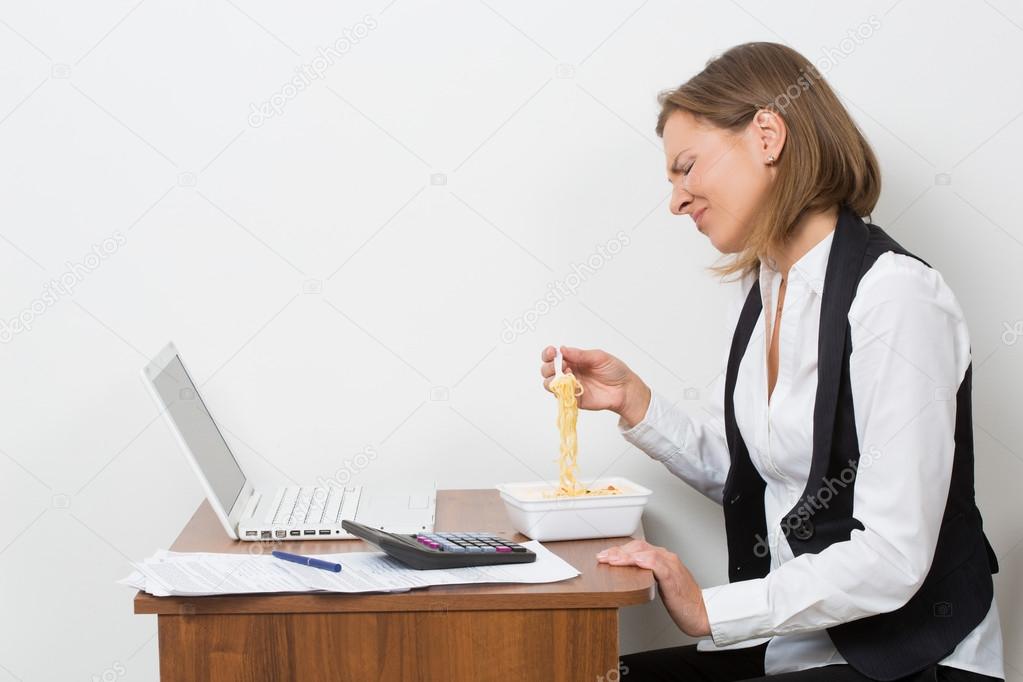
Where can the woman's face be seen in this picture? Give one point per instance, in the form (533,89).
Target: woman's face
(720,178)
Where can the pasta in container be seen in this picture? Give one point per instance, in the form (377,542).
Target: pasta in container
(568,509)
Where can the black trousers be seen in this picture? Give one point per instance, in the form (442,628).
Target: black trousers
(686,664)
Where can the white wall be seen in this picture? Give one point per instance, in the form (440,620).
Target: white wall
(331,296)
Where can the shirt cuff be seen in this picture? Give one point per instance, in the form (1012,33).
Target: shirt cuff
(648,435)
(737,611)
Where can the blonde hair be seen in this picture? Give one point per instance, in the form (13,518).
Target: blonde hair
(826,161)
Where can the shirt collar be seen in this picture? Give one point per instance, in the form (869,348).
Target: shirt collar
(811,266)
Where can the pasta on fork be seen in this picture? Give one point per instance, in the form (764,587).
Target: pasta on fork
(567,390)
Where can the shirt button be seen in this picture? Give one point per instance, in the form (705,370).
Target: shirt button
(803,530)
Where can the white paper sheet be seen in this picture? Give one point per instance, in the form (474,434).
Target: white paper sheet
(194,574)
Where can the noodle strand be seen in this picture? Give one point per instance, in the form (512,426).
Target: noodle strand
(567,389)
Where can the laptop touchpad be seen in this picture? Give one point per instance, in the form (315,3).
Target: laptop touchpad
(396,511)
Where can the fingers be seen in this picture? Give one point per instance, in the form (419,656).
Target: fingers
(638,546)
(547,366)
(615,556)
(630,549)
(645,559)
(547,356)
(547,369)
(581,358)
(638,553)
(631,546)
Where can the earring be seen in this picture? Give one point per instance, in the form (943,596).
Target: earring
(770,160)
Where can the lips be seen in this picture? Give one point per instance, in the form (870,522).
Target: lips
(697,216)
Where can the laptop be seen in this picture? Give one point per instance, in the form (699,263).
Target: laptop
(306,512)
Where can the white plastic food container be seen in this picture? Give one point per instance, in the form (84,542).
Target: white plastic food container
(574,518)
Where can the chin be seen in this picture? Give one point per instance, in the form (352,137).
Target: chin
(717,244)
(725,245)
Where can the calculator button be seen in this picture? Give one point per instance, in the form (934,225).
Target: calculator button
(502,549)
(518,548)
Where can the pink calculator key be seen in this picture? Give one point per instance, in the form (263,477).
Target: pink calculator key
(502,548)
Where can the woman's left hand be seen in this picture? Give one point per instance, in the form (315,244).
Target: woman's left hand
(680,593)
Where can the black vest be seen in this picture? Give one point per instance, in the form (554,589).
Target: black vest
(957,592)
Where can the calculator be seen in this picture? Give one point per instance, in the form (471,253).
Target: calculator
(443,550)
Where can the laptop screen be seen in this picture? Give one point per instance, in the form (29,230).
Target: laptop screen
(200,433)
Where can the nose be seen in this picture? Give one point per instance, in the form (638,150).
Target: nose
(680,201)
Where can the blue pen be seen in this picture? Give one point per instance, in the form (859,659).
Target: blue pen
(308,561)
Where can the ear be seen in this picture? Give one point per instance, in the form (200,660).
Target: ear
(770,131)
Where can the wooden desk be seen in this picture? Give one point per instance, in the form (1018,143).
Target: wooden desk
(557,631)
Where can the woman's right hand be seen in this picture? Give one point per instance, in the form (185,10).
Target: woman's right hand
(608,383)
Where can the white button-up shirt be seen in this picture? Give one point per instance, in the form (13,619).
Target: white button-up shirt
(910,351)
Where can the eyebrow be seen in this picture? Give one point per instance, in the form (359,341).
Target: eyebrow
(674,163)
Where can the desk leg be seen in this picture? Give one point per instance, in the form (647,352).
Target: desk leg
(567,645)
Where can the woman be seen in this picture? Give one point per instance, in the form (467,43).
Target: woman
(845,471)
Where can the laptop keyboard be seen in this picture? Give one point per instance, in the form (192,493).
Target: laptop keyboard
(316,505)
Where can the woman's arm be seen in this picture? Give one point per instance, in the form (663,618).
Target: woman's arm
(690,444)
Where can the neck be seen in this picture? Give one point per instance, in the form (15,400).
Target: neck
(809,230)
